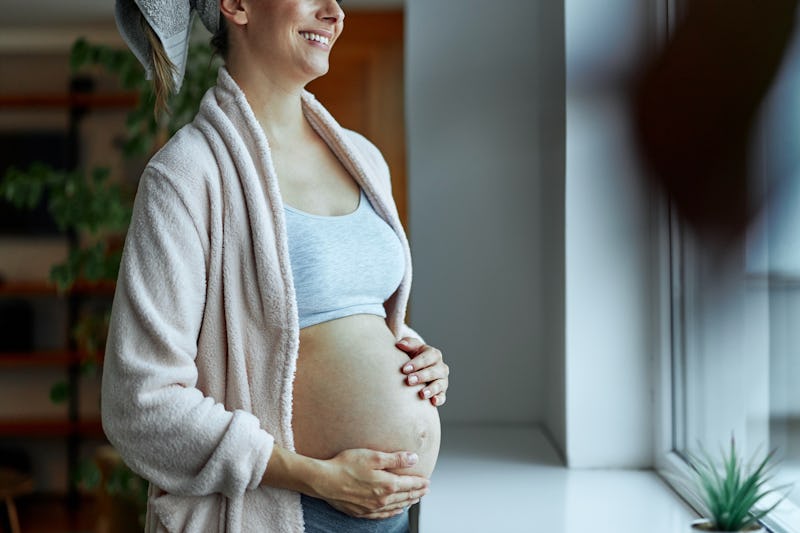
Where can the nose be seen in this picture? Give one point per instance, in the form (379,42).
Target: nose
(331,11)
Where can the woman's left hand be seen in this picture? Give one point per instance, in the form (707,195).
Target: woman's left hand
(426,367)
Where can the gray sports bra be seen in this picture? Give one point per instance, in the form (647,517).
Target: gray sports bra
(342,265)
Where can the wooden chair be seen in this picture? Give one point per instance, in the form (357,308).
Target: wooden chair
(14,484)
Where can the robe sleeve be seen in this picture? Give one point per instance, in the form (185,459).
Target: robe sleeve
(164,427)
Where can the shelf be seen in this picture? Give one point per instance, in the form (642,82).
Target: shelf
(46,288)
(120,100)
(34,359)
(54,358)
(53,511)
(51,428)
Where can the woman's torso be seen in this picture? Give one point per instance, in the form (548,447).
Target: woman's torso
(349,391)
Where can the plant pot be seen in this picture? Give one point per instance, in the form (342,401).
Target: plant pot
(705,526)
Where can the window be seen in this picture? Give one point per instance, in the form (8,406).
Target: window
(732,358)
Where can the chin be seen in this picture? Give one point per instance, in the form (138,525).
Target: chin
(319,73)
(316,71)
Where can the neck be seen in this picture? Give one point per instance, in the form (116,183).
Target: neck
(277,106)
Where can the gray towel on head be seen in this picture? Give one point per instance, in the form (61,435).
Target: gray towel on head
(208,10)
(171,21)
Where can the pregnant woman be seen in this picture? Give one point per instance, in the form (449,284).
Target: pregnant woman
(259,372)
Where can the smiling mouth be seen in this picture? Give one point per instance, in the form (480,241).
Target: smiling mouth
(308,36)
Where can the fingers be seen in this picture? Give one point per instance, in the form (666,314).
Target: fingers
(422,355)
(396,460)
(395,488)
(363,512)
(399,499)
(381,515)
(438,370)
(425,365)
(393,503)
(391,510)
(397,491)
(433,389)
(410,345)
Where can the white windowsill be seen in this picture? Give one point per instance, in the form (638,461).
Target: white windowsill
(510,479)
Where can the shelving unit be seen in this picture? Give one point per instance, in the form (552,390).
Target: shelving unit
(64,101)
(52,359)
(44,288)
(51,428)
(72,427)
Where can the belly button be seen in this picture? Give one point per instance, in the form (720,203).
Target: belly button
(422,439)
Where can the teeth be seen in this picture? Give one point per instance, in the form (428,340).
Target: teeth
(314,37)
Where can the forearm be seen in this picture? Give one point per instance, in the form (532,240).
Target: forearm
(292,471)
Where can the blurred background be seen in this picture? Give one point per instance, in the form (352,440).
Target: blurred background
(588,328)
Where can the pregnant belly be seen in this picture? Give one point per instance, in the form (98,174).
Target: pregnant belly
(349,392)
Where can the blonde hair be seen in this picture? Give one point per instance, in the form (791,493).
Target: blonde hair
(163,70)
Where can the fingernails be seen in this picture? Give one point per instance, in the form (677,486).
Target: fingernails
(412,458)
(426,393)
(408,368)
(412,380)
(403,342)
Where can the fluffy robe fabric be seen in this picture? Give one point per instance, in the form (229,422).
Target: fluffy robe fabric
(201,353)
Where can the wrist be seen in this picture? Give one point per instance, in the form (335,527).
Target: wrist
(292,471)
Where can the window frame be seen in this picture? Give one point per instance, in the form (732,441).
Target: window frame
(670,344)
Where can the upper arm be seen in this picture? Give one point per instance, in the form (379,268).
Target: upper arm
(165,428)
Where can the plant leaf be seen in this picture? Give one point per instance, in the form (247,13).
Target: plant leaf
(59,392)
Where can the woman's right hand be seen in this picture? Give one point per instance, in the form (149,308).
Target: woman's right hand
(359,483)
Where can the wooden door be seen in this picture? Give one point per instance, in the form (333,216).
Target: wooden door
(364,88)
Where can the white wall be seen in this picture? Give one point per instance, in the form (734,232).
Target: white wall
(609,334)
(473,85)
(530,224)
(552,124)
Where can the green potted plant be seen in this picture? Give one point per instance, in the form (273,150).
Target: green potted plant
(732,495)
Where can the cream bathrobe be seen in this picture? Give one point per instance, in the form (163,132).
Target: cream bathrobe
(202,348)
